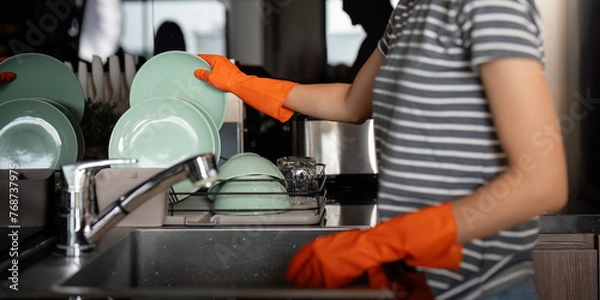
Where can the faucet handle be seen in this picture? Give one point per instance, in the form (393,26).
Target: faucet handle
(78,174)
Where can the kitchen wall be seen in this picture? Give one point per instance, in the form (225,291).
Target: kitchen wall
(555,14)
(571,44)
(246,34)
(295,46)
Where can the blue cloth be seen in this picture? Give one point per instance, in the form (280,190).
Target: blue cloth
(524,290)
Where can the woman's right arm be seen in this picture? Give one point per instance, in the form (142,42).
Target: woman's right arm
(351,103)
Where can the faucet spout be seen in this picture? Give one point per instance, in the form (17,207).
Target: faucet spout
(83,226)
(200,170)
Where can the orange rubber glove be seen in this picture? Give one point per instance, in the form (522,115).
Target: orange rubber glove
(264,94)
(425,238)
(6,77)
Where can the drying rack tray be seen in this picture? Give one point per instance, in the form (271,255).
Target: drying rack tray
(196,211)
(308,207)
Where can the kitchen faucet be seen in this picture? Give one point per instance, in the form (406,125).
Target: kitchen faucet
(81,226)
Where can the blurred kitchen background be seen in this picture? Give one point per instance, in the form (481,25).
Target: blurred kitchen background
(308,41)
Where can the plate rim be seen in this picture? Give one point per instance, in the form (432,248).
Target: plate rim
(111,146)
(76,125)
(76,108)
(201,110)
(184,187)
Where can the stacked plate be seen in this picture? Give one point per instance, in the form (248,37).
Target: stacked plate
(40,114)
(172,116)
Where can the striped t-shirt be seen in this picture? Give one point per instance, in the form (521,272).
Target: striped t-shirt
(436,139)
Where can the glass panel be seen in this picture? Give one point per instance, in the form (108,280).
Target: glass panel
(200,25)
(343,38)
(353,28)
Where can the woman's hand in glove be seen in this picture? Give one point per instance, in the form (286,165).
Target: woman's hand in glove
(264,94)
(425,238)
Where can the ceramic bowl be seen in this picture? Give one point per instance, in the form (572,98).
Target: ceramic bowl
(251,198)
(246,166)
(256,178)
(248,163)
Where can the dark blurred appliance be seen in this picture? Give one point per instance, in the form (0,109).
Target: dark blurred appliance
(48,27)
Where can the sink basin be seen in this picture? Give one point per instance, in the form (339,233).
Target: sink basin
(206,262)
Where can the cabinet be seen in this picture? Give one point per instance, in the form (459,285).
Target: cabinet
(566,267)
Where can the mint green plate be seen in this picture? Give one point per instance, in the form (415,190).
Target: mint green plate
(35,135)
(172,74)
(213,126)
(40,75)
(76,125)
(162,131)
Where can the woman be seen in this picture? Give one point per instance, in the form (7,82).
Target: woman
(469,147)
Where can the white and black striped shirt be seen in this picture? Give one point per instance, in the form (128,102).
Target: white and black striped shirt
(435,136)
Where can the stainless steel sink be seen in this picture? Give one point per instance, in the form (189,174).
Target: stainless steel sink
(236,262)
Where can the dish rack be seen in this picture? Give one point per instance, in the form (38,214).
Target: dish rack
(195,209)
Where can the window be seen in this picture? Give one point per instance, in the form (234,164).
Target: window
(343,38)
(202,24)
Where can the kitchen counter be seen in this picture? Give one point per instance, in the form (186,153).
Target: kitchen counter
(56,269)
(570,223)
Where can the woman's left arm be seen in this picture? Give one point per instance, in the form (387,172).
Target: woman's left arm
(529,132)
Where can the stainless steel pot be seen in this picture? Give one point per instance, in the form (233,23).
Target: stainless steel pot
(344,148)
